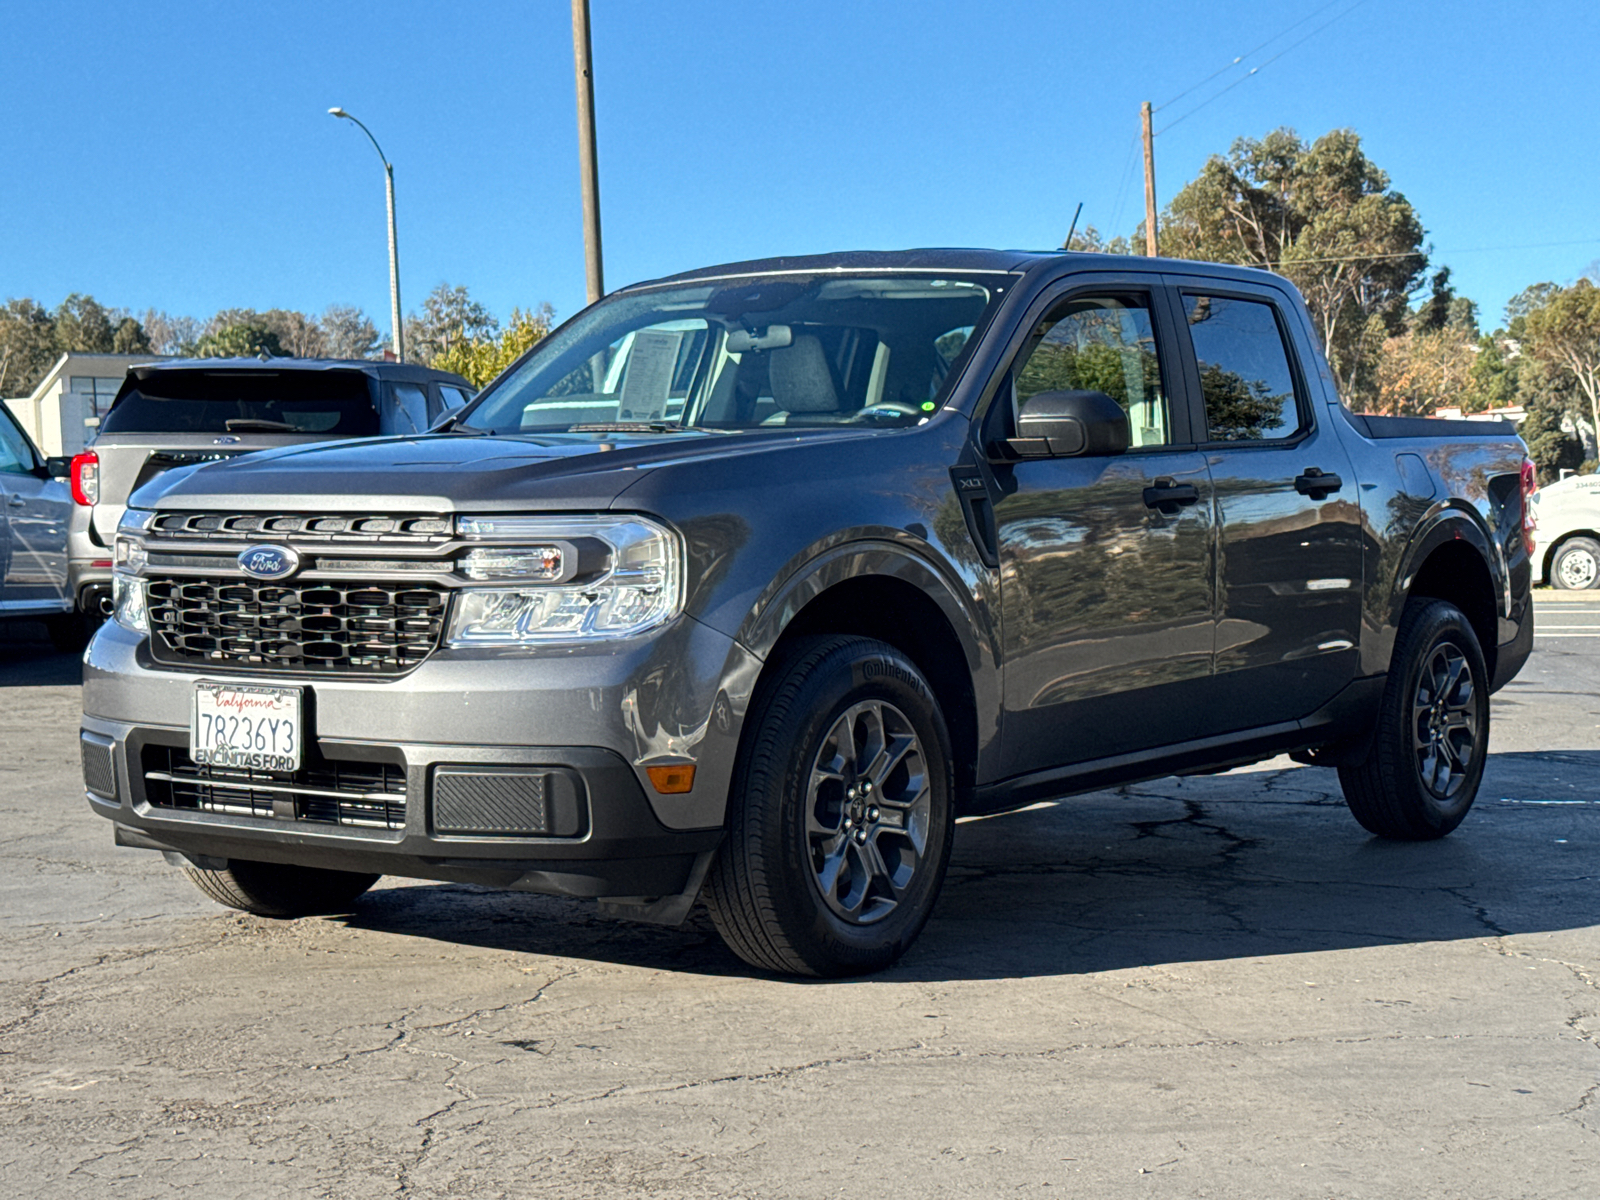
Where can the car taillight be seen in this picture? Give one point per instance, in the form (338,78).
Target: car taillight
(86,477)
(1530,485)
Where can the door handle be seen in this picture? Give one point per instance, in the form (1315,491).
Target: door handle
(1316,484)
(1168,495)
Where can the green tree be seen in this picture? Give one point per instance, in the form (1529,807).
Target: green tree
(350,332)
(449,315)
(129,337)
(84,326)
(1092,241)
(239,341)
(27,346)
(1492,378)
(1552,448)
(1322,214)
(1564,334)
(1524,302)
(480,359)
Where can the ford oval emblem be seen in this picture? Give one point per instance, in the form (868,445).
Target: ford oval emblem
(269,562)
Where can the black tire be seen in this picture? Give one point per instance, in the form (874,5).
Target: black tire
(821,873)
(280,890)
(1422,771)
(1576,565)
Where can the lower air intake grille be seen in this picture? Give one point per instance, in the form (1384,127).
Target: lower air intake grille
(506,802)
(99,770)
(334,628)
(372,795)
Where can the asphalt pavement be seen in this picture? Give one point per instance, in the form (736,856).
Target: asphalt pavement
(1213,986)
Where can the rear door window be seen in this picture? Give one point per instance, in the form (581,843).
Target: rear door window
(266,401)
(1245,373)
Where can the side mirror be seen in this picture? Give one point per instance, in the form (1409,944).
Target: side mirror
(59,467)
(1070,425)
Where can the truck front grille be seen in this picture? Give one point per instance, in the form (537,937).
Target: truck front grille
(301,527)
(323,628)
(371,795)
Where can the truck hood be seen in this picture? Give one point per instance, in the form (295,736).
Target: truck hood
(451,472)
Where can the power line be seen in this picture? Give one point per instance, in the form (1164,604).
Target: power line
(1254,71)
(1433,254)
(1122,187)
(1229,66)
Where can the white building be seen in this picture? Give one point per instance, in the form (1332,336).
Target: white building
(79,388)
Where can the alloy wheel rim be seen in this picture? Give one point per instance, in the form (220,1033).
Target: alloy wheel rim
(1578,569)
(868,810)
(1444,721)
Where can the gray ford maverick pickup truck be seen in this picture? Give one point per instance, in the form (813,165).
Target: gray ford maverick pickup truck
(747,582)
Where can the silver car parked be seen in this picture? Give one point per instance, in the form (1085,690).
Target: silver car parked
(34,510)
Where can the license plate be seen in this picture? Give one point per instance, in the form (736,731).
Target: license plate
(255,727)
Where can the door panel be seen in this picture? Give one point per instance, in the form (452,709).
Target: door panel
(1106,607)
(1289,562)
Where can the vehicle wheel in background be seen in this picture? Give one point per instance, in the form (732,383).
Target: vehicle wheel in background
(279,890)
(1576,565)
(841,814)
(1422,772)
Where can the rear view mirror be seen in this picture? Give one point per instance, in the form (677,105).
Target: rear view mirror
(59,467)
(1070,425)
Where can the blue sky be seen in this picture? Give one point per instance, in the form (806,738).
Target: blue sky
(180,156)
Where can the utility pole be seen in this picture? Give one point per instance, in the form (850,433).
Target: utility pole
(1150,246)
(588,162)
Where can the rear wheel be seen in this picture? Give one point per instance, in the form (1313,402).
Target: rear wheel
(1576,565)
(841,816)
(280,890)
(1422,772)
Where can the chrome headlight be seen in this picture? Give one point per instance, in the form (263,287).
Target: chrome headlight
(560,579)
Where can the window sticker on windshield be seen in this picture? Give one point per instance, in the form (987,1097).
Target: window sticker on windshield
(650,365)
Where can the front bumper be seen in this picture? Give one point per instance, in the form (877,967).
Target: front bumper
(617,848)
(591,718)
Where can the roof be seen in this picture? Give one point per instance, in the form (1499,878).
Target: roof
(966,260)
(1006,261)
(404,372)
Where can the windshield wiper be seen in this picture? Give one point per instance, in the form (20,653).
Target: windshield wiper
(457,426)
(634,427)
(257,425)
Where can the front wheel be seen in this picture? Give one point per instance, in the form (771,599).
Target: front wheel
(841,816)
(1427,757)
(1576,565)
(281,890)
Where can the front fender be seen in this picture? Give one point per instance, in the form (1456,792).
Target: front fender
(962,606)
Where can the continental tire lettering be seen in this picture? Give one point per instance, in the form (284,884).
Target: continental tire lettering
(874,669)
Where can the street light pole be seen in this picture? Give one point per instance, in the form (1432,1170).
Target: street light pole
(394,249)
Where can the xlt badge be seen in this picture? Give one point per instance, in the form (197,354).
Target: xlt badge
(269,562)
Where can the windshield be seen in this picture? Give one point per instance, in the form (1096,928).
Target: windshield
(800,351)
(190,401)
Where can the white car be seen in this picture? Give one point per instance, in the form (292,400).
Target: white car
(1567,549)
